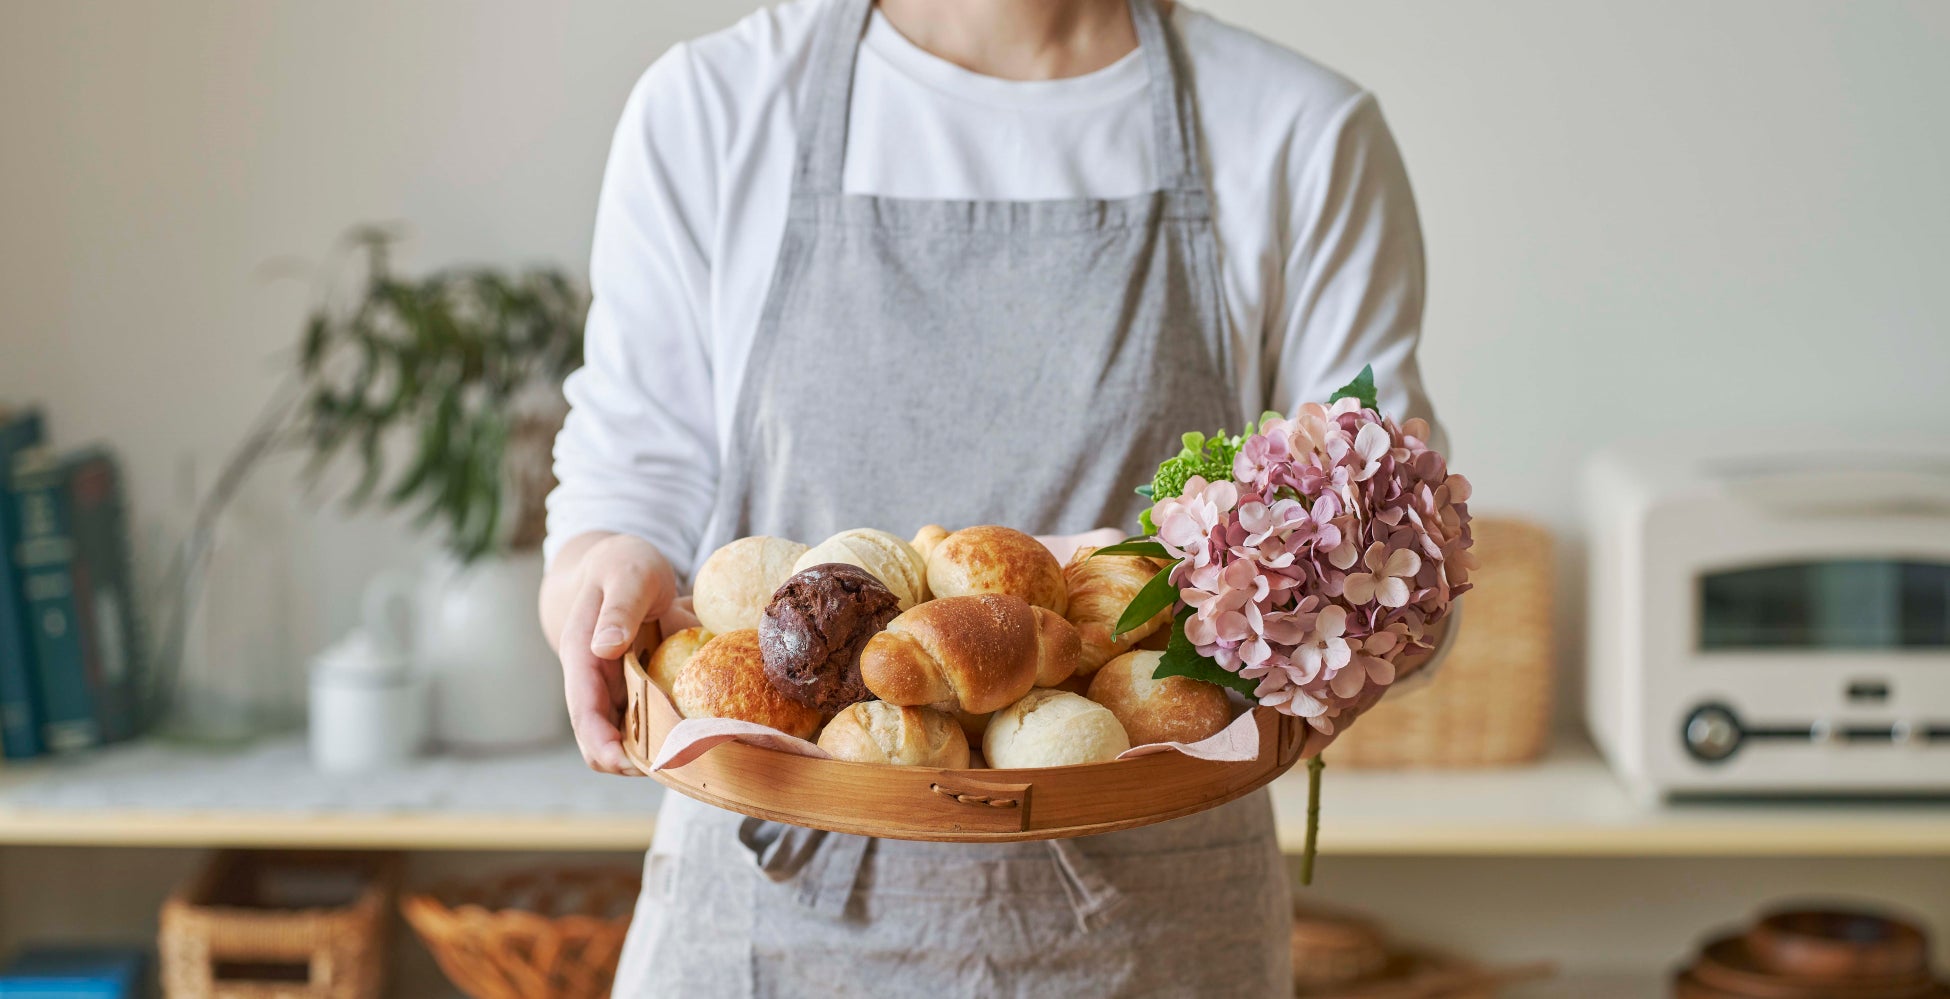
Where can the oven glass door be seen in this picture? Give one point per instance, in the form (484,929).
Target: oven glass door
(1826,605)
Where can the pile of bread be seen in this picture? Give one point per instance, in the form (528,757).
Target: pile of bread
(907,652)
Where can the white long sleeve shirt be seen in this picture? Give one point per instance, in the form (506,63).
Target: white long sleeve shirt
(1320,249)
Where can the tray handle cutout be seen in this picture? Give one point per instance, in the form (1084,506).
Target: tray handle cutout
(984,794)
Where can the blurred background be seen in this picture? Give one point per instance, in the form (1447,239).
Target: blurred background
(1721,223)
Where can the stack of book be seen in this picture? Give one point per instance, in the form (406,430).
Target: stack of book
(70,648)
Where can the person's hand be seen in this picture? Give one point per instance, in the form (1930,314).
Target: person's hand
(1063,546)
(598,593)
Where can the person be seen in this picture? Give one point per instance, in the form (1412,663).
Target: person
(957,262)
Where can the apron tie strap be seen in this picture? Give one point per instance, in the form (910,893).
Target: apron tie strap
(1093,897)
(824,867)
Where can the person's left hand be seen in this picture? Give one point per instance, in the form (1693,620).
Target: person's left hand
(1063,546)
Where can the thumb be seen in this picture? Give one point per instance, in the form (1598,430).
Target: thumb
(629,599)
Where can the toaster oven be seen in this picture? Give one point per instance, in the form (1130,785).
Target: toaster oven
(1771,624)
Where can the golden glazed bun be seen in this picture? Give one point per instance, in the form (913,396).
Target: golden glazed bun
(926,538)
(1100,588)
(1174,709)
(878,732)
(972,653)
(668,661)
(992,559)
(892,561)
(736,582)
(725,678)
(1052,728)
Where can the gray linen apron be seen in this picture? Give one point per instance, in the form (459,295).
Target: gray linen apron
(969,362)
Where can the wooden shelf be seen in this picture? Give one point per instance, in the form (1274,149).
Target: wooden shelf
(1570,805)
(268,796)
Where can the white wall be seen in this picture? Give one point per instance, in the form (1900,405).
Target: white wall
(1643,216)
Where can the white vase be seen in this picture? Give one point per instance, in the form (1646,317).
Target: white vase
(496,684)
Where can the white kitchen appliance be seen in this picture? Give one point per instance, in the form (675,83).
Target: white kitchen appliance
(1771,624)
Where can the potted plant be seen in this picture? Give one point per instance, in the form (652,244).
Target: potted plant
(460,372)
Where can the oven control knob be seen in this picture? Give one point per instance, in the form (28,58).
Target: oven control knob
(1711,733)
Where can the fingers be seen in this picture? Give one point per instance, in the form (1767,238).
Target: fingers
(631,594)
(1063,546)
(678,617)
(585,687)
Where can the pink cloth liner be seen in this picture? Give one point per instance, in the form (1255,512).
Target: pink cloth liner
(693,737)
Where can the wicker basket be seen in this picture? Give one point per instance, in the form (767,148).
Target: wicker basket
(540,934)
(280,925)
(1491,702)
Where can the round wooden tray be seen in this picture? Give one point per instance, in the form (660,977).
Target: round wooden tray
(955,806)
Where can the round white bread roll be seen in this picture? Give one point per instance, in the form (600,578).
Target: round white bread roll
(1174,709)
(1052,728)
(736,582)
(891,560)
(879,732)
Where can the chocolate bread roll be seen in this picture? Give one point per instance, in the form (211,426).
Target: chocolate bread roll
(812,632)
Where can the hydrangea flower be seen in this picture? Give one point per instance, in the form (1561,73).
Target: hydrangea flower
(1339,539)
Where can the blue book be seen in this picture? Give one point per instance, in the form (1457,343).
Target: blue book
(20,730)
(76,973)
(44,557)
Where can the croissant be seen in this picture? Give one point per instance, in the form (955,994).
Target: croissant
(1100,589)
(971,653)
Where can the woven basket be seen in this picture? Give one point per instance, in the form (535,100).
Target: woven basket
(540,934)
(280,925)
(1490,703)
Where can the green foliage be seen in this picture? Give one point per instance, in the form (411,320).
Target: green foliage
(1209,457)
(1181,658)
(1154,596)
(1362,388)
(454,360)
(1135,546)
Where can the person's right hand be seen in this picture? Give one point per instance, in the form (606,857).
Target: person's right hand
(598,592)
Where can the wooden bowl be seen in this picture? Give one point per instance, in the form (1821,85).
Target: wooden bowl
(951,806)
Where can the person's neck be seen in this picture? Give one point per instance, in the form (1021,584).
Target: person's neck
(1018,39)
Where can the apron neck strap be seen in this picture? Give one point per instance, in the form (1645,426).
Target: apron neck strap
(822,143)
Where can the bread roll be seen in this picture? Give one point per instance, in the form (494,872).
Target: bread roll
(813,631)
(992,559)
(1100,588)
(726,679)
(1052,728)
(736,582)
(892,561)
(973,725)
(1062,649)
(668,661)
(926,538)
(878,732)
(1174,709)
(973,653)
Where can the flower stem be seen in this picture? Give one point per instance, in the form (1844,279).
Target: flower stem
(1314,767)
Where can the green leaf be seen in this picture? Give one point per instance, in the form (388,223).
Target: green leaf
(1181,658)
(1362,388)
(1145,490)
(1156,595)
(1194,441)
(1135,546)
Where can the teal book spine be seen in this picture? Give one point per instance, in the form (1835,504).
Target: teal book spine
(111,636)
(20,728)
(44,557)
